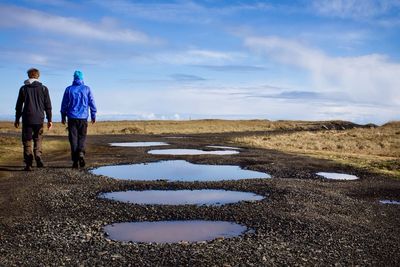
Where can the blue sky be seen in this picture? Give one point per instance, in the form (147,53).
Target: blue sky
(304,60)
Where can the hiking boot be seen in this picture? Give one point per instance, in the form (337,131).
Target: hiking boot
(39,162)
(28,163)
(82,162)
(75,165)
(28,168)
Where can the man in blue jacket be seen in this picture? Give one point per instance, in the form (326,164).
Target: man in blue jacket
(75,105)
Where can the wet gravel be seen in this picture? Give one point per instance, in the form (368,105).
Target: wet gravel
(53,216)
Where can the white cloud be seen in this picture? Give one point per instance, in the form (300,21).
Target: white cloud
(58,55)
(193,57)
(26,57)
(210,54)
(370,78)
(344,39)
(21,17)
(354,8)
(182,77)
(187,11)
(156,11)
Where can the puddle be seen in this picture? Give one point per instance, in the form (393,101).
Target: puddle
(177,170)
(191,152)
(337,176)
(224,147)
(139,144)
(182,197)
(390,202)
(173,231)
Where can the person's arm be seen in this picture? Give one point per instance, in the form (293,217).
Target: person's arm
(64,106)
(92,106)
(47,107)
(19,106)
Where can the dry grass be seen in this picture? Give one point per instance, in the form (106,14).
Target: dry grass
(179,127)
(11,148)
(376,149)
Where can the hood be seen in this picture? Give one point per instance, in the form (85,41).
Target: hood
(77,82)
(30,81)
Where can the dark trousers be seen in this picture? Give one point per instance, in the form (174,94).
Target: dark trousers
(77,130)
(32,132)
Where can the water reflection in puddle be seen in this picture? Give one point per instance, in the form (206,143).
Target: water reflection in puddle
(139,144)
(182,197)
(173,231)
(390,202)
(337,176)
(224,147)
(177,170)
(190,152)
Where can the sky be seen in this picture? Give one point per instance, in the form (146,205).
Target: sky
(275,60)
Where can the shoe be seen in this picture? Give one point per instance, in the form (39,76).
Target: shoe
(28,163)
(39,162)
(75,165)
(28,168)
(82,162)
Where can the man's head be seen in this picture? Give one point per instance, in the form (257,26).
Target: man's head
(33,73)
(78,75)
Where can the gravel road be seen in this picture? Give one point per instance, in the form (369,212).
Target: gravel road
(53,216)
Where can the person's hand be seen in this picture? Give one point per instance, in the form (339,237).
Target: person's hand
(63,122)
(93,121)
(49,125)
(16,124)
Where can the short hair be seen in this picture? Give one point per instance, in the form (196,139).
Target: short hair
(33,73)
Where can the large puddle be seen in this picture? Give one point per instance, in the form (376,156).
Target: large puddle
(173,231)
(390,202)
(337,176)
(191,152)
(139,144)
(182,197)
(177,170)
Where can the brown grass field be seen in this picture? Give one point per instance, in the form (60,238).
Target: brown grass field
(11,148)
(181,127)
(374,149)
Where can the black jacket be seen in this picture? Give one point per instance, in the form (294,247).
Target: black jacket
(33,101)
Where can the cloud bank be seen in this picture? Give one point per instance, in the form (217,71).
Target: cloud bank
(105,30)
(369,78)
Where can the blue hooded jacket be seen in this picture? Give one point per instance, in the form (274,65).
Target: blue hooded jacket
(77,100)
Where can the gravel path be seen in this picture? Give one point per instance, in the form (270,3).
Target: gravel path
(53,217)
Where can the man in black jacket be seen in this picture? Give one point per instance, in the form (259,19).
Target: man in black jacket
(33,101)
